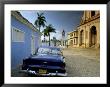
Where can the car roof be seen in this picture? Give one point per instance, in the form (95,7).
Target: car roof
(51,47)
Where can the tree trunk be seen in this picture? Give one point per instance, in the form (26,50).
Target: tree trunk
(49,39)
(44,39)
(39,28)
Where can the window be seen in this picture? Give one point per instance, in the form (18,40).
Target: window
(71,34)
(17,35)
(44,50)
(92,13)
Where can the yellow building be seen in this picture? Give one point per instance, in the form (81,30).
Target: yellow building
(70,39)
(73,39)
(88,31)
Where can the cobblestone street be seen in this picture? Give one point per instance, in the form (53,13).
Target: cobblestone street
(82,62)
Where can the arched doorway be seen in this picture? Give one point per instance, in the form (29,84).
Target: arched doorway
(93,38)
(71,42)
(81,37)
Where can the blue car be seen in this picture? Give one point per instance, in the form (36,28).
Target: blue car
(48,61)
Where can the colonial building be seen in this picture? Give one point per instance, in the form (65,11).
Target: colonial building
(25,38)
(70,39)
(88,31)
(73,38)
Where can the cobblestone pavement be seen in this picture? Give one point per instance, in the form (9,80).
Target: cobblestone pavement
(81,62)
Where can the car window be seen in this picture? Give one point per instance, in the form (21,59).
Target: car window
(55,51)
(44,50)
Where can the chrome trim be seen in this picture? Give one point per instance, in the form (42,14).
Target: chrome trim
(49,74)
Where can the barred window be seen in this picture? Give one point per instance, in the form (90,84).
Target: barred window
(17,35)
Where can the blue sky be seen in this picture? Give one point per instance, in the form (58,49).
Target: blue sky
(67,20)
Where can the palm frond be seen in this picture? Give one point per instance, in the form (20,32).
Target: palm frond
(38,14)
(40,21)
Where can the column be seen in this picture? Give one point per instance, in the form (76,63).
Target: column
(84,36)
(79,38)
(88,36)
(98,35)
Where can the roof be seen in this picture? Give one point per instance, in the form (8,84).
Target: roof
(52,47)
(20,18)
(75,30)
(70,32)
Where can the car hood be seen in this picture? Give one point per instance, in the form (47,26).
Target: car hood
(48,57)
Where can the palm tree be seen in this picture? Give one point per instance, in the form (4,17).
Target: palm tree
(40,21)
(49,29)
(45,33)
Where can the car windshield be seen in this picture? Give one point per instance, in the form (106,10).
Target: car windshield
(44,50)
(53,51)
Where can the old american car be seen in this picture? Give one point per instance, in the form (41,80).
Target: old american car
(48,61)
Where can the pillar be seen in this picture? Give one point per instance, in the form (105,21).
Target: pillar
(89,36)
(98,35)
(79,38)
(84,29)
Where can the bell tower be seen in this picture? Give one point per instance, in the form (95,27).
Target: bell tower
(63,43)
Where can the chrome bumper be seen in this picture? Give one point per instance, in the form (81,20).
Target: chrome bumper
(49,74)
